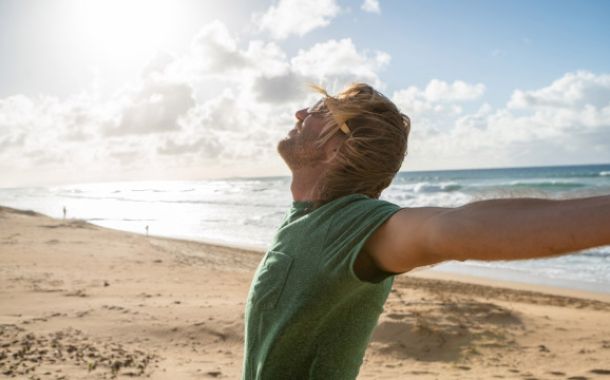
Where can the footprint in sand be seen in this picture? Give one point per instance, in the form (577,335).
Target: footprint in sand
(600,371)
(397,316)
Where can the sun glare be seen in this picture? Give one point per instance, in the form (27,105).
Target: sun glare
(126,29)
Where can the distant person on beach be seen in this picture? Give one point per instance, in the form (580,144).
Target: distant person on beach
(65,212)
(320,288)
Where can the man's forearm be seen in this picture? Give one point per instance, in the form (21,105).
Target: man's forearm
(510,229)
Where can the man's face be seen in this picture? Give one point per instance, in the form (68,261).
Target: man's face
(298,149)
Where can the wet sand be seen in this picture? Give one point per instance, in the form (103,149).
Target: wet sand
(79,301)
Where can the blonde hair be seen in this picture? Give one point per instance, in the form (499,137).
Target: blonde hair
(372,152)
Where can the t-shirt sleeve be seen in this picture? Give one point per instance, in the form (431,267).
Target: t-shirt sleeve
(352,224)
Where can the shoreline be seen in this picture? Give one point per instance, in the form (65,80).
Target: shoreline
(81,301)
(516,279)
(449,270)
(433,274)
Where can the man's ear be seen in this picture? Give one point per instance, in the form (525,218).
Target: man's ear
(331,154)
(332,147)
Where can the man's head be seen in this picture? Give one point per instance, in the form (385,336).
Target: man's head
(359,138)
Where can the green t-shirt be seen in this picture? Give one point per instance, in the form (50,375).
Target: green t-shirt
(308,316)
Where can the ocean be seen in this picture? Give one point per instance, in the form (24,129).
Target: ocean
(246,211)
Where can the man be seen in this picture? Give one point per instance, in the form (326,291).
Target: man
(318,293)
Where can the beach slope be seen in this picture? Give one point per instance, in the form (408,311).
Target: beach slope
(79,301)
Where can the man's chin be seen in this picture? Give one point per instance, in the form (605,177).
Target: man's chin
(283,146)
(287,150)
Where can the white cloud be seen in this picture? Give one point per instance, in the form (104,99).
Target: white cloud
(266,58)
(43,133)
(159,64)
(266,70)
(436,107)
(17,114)
(224,102)
(438,90)
(216,48)
(577,89)
(153,106)
(438,96)
(296,17)
(337,63)
(566,122)
(162,118)
(371,6)
(280,89)
(215,54)
(206,147)
(224,113)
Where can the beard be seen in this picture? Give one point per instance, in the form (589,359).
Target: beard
(299,150)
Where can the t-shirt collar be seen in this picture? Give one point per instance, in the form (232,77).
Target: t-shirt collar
(302,205)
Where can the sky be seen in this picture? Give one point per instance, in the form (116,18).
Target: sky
(116,90)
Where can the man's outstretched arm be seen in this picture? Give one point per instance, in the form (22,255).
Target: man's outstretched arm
(496,229)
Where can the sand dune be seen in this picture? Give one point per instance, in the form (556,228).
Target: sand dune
(79,301)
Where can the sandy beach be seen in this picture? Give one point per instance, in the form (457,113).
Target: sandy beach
(79,301)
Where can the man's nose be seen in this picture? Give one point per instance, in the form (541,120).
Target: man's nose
(301,114)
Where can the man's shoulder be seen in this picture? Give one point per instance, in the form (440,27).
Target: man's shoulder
(403,242)
(356,200)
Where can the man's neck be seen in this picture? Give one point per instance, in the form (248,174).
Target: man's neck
(305,184)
